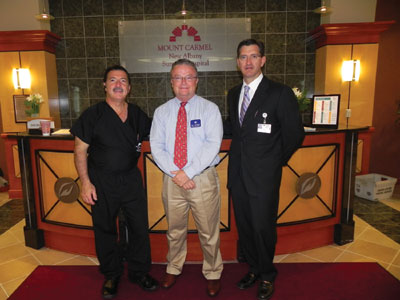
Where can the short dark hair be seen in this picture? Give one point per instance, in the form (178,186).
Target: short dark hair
(250,42)
(116,68)
(184,61)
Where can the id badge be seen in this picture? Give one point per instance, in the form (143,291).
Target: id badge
(264,128)
(195,123)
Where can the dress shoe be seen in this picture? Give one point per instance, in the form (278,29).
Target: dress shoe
(247,281)
(168,280)
(265,290)
(213,287)
(110,288)
(145,281)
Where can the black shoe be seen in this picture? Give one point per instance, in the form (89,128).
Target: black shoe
(247,281)
(265,290)
(110,288)
(145,281)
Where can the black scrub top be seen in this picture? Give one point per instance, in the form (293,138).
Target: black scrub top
(114,146)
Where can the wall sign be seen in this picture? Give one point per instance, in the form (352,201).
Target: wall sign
(325,111)
(153,45)
(20,108)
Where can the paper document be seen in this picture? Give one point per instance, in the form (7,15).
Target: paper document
(61,132)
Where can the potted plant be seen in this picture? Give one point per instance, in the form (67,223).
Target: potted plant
(304,104)
(32,103)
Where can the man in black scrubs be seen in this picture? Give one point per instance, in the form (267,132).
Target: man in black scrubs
(107,147)
(266,131)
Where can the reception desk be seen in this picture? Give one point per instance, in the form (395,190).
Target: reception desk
(315,209)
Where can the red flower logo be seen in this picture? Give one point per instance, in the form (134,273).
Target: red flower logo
(191,31)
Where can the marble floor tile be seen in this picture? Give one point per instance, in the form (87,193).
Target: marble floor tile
(12,285)
(372,250)
(7,239)
(78,261)
(13,252)
(392,202)
(48,256)
(3,295)
(370,245)
(380,216)
(325,254)
(10,214)
(22,266)
(396,260)
(298,257)
(377,237)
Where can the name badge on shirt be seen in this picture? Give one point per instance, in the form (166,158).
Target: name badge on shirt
(195,123)
(264,128)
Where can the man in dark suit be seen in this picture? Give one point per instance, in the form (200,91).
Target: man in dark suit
(266,130)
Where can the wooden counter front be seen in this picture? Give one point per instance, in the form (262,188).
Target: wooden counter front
(303,223)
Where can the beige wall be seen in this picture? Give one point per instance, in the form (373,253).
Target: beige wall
(20,15)
(350,11)
(357,96)
(8,61)
(42,66)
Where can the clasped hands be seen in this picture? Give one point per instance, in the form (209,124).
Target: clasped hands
(182,180)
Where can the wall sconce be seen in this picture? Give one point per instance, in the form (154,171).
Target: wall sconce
(351,70)
(21,78)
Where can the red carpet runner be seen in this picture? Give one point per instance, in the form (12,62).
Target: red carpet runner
(295,281)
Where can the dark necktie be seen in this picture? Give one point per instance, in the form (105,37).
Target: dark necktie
(245,104)
(180,151)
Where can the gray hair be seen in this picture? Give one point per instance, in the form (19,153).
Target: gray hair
(184,61)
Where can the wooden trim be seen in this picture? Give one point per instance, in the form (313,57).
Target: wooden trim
(291,238)
(348,33)
(15,190)
(28,40)
(366,136)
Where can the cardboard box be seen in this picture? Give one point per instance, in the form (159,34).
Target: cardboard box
(374,186)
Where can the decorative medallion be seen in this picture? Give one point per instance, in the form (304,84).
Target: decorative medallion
(66,189)
(308,185)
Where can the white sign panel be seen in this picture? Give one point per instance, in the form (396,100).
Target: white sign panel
(326,110)
(153,45)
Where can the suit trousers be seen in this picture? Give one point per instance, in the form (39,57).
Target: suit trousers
(114,192)
(204,202)
(256,216)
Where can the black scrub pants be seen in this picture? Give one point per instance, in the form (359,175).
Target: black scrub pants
(115,191)
(256,216)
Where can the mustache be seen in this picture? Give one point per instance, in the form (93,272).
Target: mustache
(118,89)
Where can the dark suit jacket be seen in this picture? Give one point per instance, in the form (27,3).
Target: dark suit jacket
(258,157)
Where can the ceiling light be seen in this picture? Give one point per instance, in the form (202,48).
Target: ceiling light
(183,12)
(44,16)
(323,9)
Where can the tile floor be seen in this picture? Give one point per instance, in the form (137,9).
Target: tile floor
(370,245)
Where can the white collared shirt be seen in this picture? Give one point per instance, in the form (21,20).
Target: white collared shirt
(253,87)
(204,135)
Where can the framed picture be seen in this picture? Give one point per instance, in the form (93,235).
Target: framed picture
(325,111)
(19,108)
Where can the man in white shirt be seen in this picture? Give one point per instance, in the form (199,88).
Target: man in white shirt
(185,139)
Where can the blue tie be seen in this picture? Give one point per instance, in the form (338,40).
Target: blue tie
(245,104)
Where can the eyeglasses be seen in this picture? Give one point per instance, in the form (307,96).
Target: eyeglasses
(252,57)
(186,78)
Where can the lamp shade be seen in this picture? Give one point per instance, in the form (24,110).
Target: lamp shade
(21,78)
(351,70)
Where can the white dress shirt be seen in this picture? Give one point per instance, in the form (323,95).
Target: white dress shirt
(253,87)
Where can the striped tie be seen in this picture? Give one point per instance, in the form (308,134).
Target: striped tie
(245,104)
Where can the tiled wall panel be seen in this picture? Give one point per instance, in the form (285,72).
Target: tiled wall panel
(89,32)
